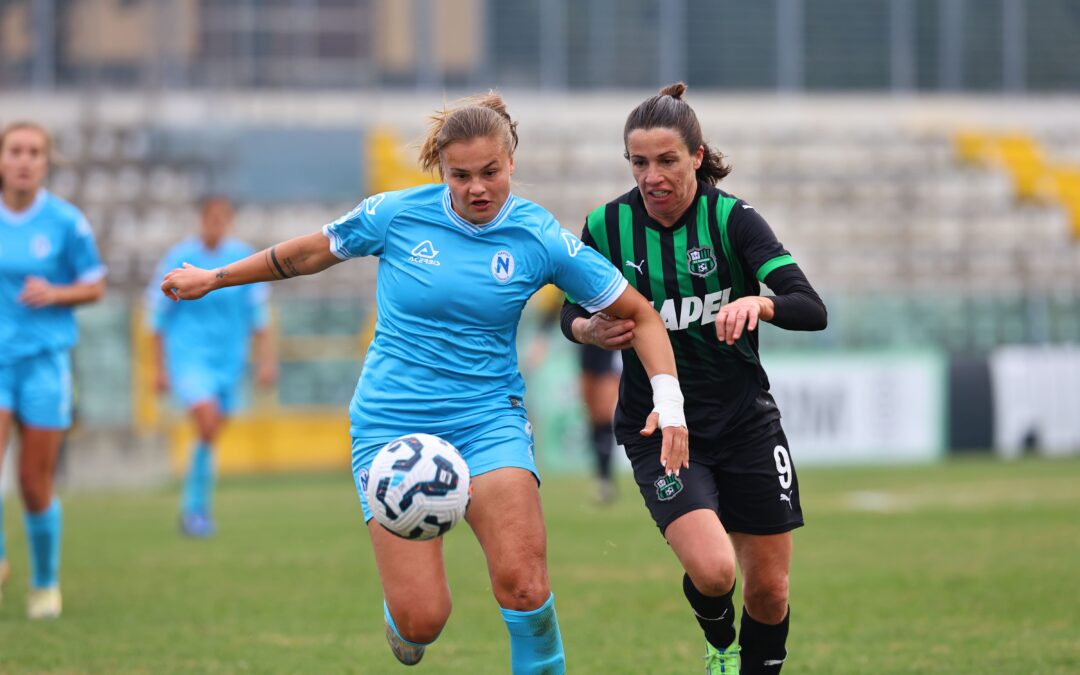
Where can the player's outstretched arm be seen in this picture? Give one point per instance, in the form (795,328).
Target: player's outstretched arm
(308,254)
(650,341)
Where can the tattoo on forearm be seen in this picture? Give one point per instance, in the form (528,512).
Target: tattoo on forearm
(277,266)
(291,267)
(221,273)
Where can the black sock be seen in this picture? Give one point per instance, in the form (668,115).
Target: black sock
(763,650)
(603,439)
(716,615)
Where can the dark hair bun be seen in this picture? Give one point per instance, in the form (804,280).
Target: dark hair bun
(675,91)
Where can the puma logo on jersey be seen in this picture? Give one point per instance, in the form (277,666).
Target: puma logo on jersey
(693,309)
(637,266)
(786,498)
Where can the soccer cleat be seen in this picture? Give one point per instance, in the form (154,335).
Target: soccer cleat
(197,525)
(407,653)
(5,569)
(721,661)
(44,603)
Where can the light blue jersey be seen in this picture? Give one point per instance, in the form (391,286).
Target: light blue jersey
(207,340)
(449,297)
(51,240)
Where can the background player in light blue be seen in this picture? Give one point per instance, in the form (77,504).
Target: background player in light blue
(48,264)
(457,262)
(201,350)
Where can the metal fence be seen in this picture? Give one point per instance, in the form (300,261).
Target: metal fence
(783,45)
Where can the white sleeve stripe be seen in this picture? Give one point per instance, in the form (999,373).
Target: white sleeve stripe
(608,296)
(335,243)
(92,275)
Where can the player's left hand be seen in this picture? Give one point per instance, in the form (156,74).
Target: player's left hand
(267,373)
(743,314)
(187,283)
(674,448)
(37,292)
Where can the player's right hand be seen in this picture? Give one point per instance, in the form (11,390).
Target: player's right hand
(187,283)
(675,446)
(608,332)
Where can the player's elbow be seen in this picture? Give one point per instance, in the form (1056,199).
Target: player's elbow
(95,291)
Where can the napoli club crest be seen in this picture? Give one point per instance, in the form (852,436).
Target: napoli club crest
(502,266)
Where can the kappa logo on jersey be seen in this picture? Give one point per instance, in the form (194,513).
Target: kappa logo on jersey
(362,478)
(701,261)
(667,487)
(573,244)
(502,266)
(424,254)
(372,202)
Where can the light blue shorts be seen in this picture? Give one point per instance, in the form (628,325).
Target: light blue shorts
(37,390)
(503,441)
(195,382)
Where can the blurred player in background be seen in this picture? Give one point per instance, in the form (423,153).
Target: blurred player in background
(599,380)
(457,262)
(48,264)
(201,350)
(700,255)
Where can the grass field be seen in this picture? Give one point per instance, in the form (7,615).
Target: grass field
(968,567)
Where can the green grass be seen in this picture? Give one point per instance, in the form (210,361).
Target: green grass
(968,567)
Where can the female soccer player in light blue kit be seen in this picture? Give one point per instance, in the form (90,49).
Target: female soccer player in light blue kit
(457,262)
(48,264)
(201,350)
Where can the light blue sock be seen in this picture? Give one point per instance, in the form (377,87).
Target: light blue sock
(535,643)
(199,481)
(43,534)
(393,626)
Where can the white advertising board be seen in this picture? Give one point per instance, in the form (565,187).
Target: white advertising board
(861,408)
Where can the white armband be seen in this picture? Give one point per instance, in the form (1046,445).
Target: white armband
(668,400)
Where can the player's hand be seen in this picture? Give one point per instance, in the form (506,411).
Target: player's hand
(674,448)
(267,373)
(608,332)
(37,292)
(743,314)
(187,283)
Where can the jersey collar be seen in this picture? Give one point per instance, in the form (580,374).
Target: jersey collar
(473,228)
(22,217)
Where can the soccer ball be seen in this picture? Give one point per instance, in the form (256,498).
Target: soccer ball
(418,486)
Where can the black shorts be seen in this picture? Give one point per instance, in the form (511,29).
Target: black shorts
(598,361)
(750,483)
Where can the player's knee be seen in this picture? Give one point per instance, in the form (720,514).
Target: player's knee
(768,601)
(716,580)
(423,625)
(522,592)
(36,491)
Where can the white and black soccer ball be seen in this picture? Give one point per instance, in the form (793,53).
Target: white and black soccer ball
(418,486)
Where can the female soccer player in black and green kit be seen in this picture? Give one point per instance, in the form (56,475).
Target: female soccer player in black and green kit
(700,255)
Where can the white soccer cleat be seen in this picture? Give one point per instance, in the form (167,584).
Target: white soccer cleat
(407,653)
(5,570)
(44,603)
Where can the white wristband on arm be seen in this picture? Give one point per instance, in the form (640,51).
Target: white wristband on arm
(668,400)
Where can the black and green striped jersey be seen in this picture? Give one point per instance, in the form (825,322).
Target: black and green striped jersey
(719,251)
